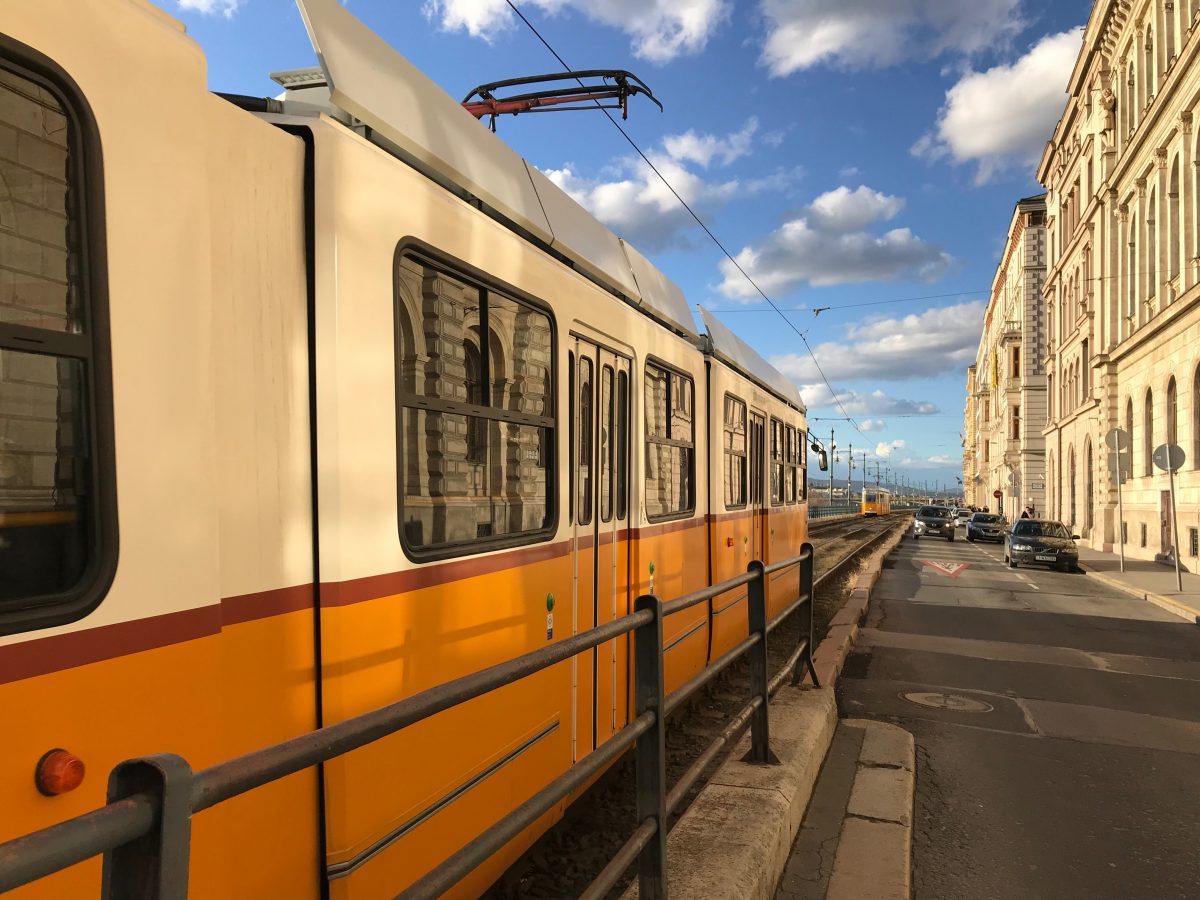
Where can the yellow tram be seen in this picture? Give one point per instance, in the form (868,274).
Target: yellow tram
(307,405)
(876,501)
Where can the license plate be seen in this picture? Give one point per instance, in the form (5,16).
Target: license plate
(1042,557)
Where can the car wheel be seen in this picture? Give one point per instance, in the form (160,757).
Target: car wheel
(916,537)
(1012,563)
(969,538)
(950,538)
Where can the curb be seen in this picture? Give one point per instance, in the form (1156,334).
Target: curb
(875,846)
(1172,606)
(734,840)
(831,653)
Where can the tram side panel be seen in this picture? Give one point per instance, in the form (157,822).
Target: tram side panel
(180,654)
(787,508)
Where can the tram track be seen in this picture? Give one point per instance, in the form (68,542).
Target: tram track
(565,860)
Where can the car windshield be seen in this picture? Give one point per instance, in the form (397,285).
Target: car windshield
(1035,528)
(934,512)
(985,519)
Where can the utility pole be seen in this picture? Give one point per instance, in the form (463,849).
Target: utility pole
(849,472)
(832,447)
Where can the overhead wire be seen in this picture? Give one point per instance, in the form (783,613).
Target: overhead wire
(512,5)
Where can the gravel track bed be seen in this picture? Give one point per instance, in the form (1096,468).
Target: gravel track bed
(563,862)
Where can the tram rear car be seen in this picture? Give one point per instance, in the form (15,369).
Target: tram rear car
(876,502)
(347,434)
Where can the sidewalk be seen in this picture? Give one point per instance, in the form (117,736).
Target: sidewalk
(1151,581)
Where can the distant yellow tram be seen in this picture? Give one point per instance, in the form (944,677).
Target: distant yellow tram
(876,501)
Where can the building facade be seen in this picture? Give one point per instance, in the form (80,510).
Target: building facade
(1124,277)
(969,491)
(1008,400)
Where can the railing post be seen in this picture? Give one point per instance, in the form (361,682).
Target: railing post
(806,617)
(651,749)
(155,866)
(760,730)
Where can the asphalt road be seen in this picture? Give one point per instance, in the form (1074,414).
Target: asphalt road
(1061,755)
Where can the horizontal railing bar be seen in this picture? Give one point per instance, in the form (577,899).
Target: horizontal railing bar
(728,734)
(57,847)
(701,678)
(453,869)
(690,600)
(787,563)
(788,666)
(625,858)
(243,773)
(791,608)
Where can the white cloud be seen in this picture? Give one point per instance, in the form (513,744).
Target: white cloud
(1003,117)
(855,34)
(849,172)
(872,425)
(940,461)
(633,201)
(885,450)
(875,403)
(225,8)
(659,30)
(937,341)
(828,243)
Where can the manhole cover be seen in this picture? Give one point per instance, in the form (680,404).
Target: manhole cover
(940,700)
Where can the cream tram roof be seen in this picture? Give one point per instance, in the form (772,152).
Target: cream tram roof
(379,87)
(730,348)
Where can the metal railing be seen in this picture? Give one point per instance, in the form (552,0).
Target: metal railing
(839,509)
(144,831)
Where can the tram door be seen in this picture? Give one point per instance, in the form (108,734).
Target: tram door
(600,524)
(758,522)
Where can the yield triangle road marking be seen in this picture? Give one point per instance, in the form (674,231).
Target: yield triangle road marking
(946,568)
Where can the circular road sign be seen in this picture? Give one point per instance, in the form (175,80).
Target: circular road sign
(997,494)
(1117,439)
(1169,457)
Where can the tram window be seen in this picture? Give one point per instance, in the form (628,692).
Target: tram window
(474,389)
(57,513)
(586,423)
(789,469)
(622,444)
(606,444)
(803,451)
(777,464)
(670,443)
(735,453)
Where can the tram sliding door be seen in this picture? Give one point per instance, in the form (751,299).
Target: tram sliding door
(758,521)
(600,532)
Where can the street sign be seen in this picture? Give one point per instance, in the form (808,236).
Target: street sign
(1117,439)
(1120,455)
(1169,457)
(997,494)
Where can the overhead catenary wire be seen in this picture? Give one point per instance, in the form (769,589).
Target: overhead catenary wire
(512,5)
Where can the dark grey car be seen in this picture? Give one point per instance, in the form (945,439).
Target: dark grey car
(934,521)
(1041,542)
(986,527)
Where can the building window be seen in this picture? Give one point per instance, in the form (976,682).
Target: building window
(1143,534)
(475,409)
(670,443)
(1071,473)
(1016,423)
(1091,491)
(1173,222)
(58,526)
(735,453)
(1016,362)
(1129,428)
(1194,542)
(1172,413)
(1151,246)
(1148,434)
(1124,532)
(1085,370)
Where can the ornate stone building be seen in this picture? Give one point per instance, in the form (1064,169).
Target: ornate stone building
(1007,400)
(1124,278)
(971,490)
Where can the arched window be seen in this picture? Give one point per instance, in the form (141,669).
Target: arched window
(1196,419)
(1152,246)
(1071,485)
(1148,434)
(1050,396)
(1129,427)
(1173,222)
(1051,484)
(1151,71)
(477,428)
(1170,13)
(1172,413)
(1132,268)
(1090,508)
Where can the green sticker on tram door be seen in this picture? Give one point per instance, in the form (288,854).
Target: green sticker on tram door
(651,591)
(550,603)
(549,617)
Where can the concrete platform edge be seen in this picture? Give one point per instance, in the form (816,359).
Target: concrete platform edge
(1172,606)
(734,840)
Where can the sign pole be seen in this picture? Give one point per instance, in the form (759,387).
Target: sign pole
(1121,508)
(1175,531)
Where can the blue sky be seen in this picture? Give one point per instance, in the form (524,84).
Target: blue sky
(844,151)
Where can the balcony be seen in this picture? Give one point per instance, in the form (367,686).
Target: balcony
(1010,333)
(1012,383)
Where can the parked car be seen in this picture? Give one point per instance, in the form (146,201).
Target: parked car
(962,516)
(986,527)
(1041,542)
(934,521)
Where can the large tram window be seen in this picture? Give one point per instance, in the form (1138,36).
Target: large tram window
(57,514)
(735,453)
(803,451)
(586,451)
(606,444)
(777,464)
(474,388)
(622,445)
(670,443)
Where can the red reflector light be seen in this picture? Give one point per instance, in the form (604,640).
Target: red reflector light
(58,772)
(728,542)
